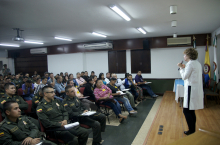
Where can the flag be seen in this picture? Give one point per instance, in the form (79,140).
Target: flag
(207,60)
(215,62)
(194,42)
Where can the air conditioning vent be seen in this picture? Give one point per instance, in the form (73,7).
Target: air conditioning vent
(103,45)
(38,51)
(179,41)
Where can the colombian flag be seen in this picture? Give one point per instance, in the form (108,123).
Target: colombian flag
(39,110)
(207,60)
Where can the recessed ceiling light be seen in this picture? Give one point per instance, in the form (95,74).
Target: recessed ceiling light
(34,42)
(173,9)
(142,30)
(60,38)
(119,12)
(10,45)
(101,35)
(174,23)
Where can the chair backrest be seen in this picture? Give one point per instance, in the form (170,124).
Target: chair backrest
(42,129)
(218,87)
(29,107)
(82,90)
(20,92)
(212,85)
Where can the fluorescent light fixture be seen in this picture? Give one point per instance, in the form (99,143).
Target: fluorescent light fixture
(33,42)
(119,12)
(142,30)
(10,45)
(60,38)
(94,33)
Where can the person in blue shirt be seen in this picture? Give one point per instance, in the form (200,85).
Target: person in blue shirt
(59,87)
(28,90)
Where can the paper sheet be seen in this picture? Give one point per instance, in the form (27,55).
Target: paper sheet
(88,113)
(71,125)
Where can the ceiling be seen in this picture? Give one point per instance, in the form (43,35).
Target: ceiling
(77,19)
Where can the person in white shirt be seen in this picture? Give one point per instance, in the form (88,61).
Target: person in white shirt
(107,79)
(193,87)
(37,83)
(128,95)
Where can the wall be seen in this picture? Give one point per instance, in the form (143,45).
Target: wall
(9,61)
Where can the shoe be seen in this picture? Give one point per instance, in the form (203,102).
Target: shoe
(154,96)
(135,108)
(135,102)
(96,143)
(133,112)
(188,132)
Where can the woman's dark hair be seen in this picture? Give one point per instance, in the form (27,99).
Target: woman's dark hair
(69,75)
(100,76)
(126,75)
(97,82)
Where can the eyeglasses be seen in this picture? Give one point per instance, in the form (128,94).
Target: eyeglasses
(51,92)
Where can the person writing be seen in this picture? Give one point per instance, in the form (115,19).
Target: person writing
(191,73)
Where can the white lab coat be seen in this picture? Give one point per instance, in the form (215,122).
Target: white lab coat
(192,76)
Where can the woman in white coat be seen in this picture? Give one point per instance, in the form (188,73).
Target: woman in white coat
(193,89)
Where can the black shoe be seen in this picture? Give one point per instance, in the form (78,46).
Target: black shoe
(135,108)
(188,132)
(96,143)
(135,102)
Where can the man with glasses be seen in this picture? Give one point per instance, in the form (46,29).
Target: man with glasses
(52,114)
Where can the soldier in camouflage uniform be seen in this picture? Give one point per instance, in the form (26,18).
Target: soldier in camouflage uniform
(17,82)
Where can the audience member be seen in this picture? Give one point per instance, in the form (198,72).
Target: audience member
(52,114)
(86,77)
(117,95)
(139,80)
(88,91)
(66,73)
(5,70)
(2,90)
(43,83)
(92,74)
(101,77)
(35,100)
(46,74)
(80,80)
(74,80)
(16,129)
(97,121)
(1,77)
(128,95)
(61,74)
(34,79)
(51,80)
(28,90)
(59,87)
(107,79)
(82,73)
(12,78)
(24,80)
(37,83)
(103,94)
(17,81)
(35,73)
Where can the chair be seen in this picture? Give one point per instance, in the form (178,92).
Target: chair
(215,94)
(82,90)
(20,92)
(47,136)
(211,86)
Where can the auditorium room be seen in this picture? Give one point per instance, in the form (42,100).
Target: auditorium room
(109,72)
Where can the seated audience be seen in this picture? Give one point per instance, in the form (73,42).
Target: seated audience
(80,80)
(35,100)
(92,74)
(35,72)
(46,74)
(24,80)
(34,79)
(66,74)
(82,73)
(74,80)
(10,95)
(61,74)
(59,87)
(129,84)
(37,83)
(89,88)
(128,95)
(139,80)
(21,76)
(117,95)
(86,77)
(64,81)
(103,94)
(51,80)
(12,78)
(17,81)
(101,77)
(28,90)
(94,80)
(27,75)
(52,114)
(88,104)
(107,79)
(75,108)
(16,129)
(43,83)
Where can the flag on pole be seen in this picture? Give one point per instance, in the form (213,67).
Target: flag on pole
(215,62)
(207,60)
